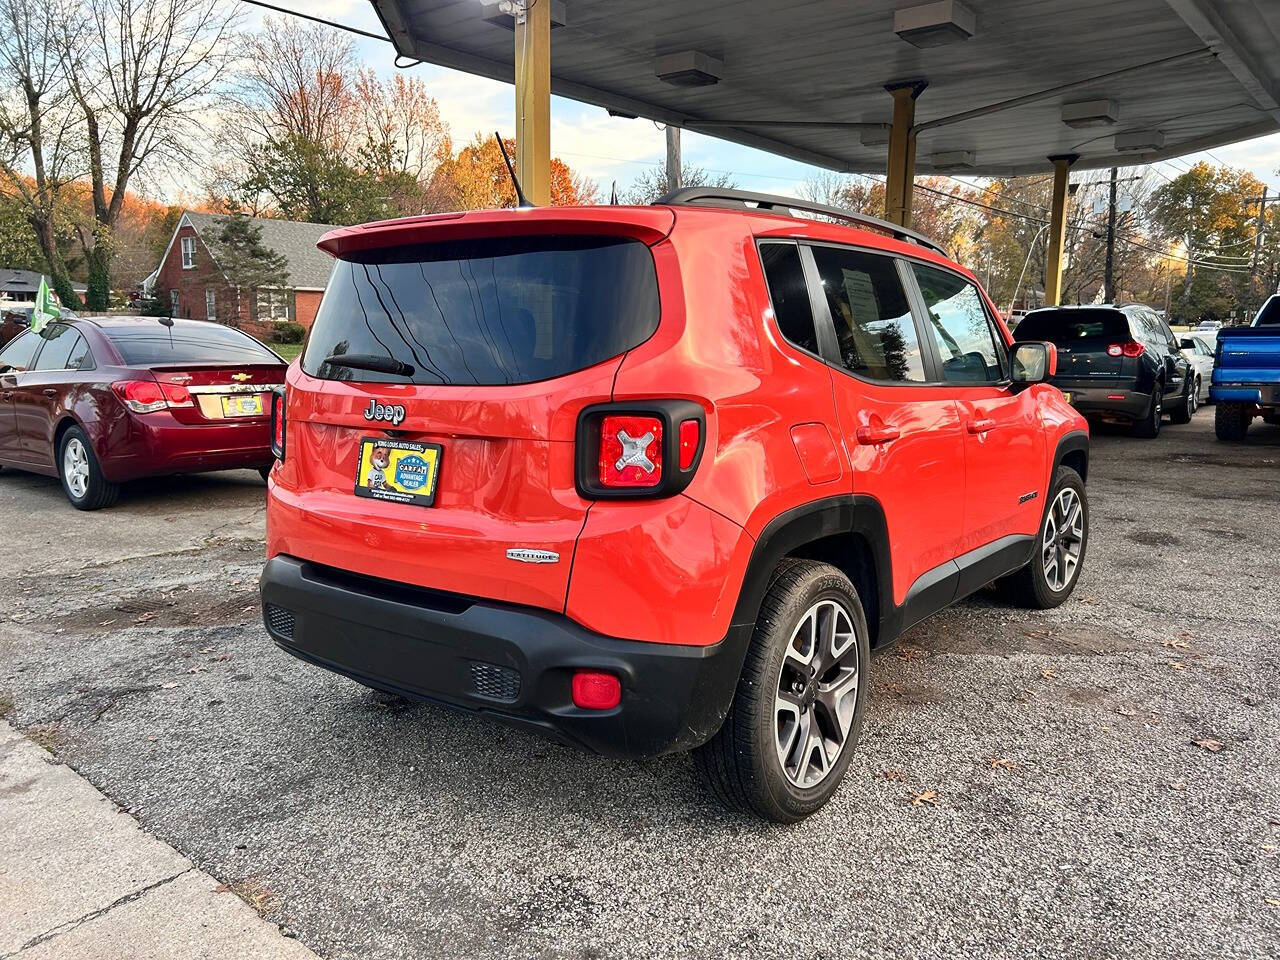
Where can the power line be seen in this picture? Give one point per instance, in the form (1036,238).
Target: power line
(315,19)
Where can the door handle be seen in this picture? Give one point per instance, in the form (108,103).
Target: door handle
(981,426)
(50,392)
(870,436)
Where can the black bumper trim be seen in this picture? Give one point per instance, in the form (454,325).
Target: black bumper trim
(424,645)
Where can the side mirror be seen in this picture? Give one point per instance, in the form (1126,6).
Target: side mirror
(1034,361)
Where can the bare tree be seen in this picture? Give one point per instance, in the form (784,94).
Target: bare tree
(41,146)
(140,72)
(399,125)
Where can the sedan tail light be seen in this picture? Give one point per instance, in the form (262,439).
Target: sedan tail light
(149,396)
(650,448)
(1130,349)
(277,424)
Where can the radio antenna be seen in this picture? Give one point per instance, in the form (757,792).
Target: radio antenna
(522,200)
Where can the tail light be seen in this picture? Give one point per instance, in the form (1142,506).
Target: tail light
(277,424)
(148,396)
(646,449)
(1130,349)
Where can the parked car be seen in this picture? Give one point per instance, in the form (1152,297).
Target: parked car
(1246,376)
(1117,363)
(14,318)
(1209,325)
(1195,347)
(98,401)
(659,478)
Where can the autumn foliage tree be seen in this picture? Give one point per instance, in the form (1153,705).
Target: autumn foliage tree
(476,178)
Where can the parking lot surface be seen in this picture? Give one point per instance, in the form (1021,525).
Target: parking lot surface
(1094,780)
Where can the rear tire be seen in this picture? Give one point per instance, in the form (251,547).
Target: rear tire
(1149,426)
(1185,409)
(81,474)
(791,731)
(1059,552)
(1231,420)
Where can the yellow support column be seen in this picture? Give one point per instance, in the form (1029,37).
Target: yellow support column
(1057,229)
(902,152)
(533,100)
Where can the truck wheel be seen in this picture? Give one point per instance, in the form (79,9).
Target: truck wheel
(1185,408)
(1149,426)
(81,474)
(797,712)
(1231,420)
(1059,552)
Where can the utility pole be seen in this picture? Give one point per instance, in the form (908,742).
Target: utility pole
(1257,241)
(1109,278)
(673,158)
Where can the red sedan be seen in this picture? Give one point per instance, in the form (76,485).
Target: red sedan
(97,401)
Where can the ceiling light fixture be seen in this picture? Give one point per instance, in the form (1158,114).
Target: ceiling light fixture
(935,24)
(688,68)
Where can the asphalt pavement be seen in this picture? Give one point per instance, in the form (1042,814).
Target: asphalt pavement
(1096,780)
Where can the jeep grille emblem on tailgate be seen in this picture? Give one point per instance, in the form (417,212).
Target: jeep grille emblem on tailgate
(533,556)
(391,413)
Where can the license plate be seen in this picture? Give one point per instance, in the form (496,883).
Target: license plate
(249,405)
(398,470)
(1066,396)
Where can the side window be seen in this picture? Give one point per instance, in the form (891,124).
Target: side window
(790,294)
(960,326)
(59,340)
(872,317)
(81,357)
(18,352)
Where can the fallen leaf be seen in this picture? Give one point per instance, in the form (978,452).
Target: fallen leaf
(1269,847)
(1174,643)
(221,658)
(896,776)
(1178,666)
(1210,744)
(929,796)
(205,650)
(1126,712)
(908,653)
(1002,763)
(145,617)
(198,670)
(106,623)
(1273,901)
(168,686)
(1048,673)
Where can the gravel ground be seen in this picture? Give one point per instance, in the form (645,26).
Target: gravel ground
(1074,814)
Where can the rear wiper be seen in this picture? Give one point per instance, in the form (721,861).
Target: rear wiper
(370,361)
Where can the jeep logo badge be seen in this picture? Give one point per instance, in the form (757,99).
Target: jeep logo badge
(389,412)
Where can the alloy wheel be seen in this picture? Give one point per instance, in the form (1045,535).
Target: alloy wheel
(75,468)
(817,693)
(1062,540)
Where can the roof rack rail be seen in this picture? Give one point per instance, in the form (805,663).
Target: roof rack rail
(777,203)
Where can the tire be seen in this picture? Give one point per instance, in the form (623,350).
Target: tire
(1231,420)
(1032,586)
(1149,426)
(1185,409)
(743,764)
(81,474)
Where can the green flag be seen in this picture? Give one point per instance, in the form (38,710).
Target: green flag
(46,307)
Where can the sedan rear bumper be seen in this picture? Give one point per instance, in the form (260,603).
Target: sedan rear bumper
(154,444)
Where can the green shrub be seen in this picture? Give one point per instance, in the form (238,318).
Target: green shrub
(286,331)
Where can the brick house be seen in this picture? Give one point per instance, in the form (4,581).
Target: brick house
(189,279)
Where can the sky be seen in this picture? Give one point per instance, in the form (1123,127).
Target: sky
(610,149)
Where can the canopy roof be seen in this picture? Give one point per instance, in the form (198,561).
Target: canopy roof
(806,79)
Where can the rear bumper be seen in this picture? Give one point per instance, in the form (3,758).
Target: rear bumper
(1260,393)
(1095,399)
(509,662)
(156,443)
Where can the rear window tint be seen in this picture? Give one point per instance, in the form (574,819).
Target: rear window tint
(159,344)
(789,293)
(1065,327)
(492,311)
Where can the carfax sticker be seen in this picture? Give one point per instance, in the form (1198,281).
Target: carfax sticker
(398,470)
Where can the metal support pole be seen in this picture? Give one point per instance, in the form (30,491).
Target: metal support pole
(1109,276)
(1057,229)
(533,100)
(673,158)
(1257,240)
(902,152)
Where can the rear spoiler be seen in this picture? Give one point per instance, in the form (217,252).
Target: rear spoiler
(649,225)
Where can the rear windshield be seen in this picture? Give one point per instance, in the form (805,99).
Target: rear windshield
(492,311)
(1269,315)
(183,343)
(1065,327)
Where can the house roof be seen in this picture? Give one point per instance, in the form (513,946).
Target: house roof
(309,266)
(13,281)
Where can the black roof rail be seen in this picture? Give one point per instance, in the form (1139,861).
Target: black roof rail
(778,203)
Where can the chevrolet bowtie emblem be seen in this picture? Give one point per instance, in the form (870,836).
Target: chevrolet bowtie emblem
(240,376)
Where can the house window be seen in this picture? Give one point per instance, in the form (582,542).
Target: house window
(173,303)
(210,304)
(275,304)
(188,253)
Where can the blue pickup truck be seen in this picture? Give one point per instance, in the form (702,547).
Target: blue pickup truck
(1246,373)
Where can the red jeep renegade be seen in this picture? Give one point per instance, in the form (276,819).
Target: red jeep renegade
(660,478)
